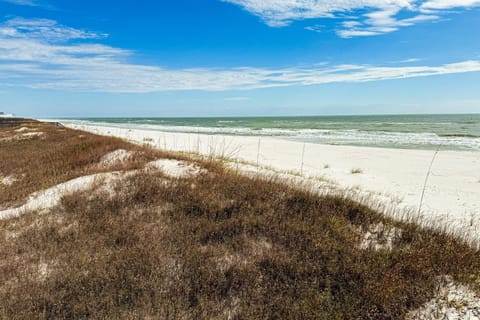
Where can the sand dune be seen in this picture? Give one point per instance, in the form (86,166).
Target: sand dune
(452,194)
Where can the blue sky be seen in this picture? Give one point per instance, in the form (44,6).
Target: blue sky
(239,57)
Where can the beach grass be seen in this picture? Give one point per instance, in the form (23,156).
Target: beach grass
(40,155)
(356,171)
(215,245)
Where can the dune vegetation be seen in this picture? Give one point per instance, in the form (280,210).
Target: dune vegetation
(208,244)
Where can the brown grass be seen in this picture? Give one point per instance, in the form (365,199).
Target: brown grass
(215,246)
(56,156)
(356,171)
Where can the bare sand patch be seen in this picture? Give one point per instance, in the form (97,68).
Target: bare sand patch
(8,180)
(29,135)
(453,301)
(22,129)
(116,157)
(22,136)
(51,197)
(175,168)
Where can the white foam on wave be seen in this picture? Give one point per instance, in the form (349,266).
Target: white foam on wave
(413,140)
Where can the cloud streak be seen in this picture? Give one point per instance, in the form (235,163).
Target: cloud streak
(42,54)
(30,3)
(358,17)
(45,29)
(448,4)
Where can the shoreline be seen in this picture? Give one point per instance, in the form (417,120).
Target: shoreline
(451,195)
(417,132)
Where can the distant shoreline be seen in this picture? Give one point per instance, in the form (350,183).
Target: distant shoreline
(418,132)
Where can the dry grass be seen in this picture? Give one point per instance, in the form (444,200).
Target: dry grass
(356,171)
(40,161)
(214,246)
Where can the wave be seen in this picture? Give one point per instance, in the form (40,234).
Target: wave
(460,135)
(409,140)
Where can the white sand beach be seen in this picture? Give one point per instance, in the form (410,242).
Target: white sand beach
(396,176)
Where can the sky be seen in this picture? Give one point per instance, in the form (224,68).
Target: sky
(197,58)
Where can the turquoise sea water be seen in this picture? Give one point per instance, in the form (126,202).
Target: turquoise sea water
(448,132)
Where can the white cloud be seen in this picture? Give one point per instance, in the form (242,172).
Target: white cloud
(283,12)
(43,56)
(380,22)
(411,60)
(30,3)
(45,29)
(316,28)
(449,4)
(351,24)
(376,17)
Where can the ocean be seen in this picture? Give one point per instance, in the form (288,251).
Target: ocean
(447,132)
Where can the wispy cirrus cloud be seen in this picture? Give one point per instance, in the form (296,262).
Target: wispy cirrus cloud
(448,4)
(31,3)
(44,29)
(43,54)
(356,17)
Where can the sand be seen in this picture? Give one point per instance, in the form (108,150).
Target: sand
(453,301)
(51,197)
(397,176)
(116,157)
(175,168)
(8,180)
